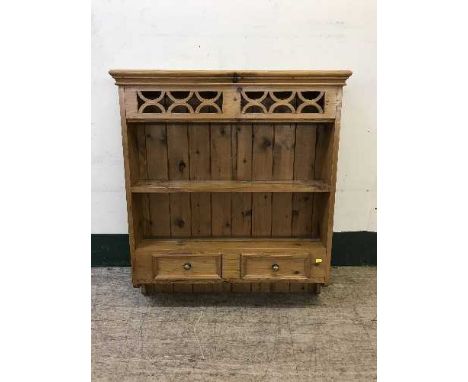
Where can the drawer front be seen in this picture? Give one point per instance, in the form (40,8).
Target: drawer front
(186,267)
(275,266)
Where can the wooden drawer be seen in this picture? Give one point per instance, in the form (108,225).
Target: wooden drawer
(186,267)
(275,266)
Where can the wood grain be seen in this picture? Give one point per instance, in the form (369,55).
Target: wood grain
(132,215)
(178,162)
(172,267)
(262,169)
(157,169)
(304,168)
(283,169)
(289,267)
(230,186)
(247,189)
(221,164)
(242,166)
(221,168)
(200,169)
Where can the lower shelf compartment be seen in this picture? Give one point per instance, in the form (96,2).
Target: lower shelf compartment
(220,215)
(242,260)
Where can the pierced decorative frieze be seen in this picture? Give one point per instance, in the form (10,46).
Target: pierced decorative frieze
(180,101)
(296,102)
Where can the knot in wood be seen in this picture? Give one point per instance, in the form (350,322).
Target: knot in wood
(182,166)
(266,143)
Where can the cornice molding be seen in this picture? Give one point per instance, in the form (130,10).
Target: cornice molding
(125,77)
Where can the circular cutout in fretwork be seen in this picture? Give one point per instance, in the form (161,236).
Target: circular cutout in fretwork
(255,109)
(283,95)
(150,95)
(310,109)
(179,101)
(210,102)
(284,108)
(311,102)
(257,96)
(208,95)
(180,109)
(207,109)
(179,104)
(252,101)
(282,101)
(311,95)
(152,108)
(150,101)
(180,95)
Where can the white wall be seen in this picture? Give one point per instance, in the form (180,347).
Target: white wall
(237,34)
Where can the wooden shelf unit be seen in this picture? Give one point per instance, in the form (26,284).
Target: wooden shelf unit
(230,178)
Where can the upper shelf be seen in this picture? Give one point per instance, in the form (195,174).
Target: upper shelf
(230,186)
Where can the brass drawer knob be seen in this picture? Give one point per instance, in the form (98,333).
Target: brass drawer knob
(318,261)
(275,267)
(187,266)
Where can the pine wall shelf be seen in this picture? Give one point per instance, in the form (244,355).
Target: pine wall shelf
(230,178)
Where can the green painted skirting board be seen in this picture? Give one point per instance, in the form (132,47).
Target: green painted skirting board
(349,248)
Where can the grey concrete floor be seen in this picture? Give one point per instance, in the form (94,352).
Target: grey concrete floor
(263,337)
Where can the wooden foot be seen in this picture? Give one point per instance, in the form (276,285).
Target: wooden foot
(145,289)
(316,289)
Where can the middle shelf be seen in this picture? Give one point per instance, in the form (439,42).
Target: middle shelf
(156,186)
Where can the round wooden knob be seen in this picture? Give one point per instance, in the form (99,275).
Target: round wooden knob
(187,266)
(275,267)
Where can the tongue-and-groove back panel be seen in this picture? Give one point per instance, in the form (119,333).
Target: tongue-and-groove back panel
(221,151)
